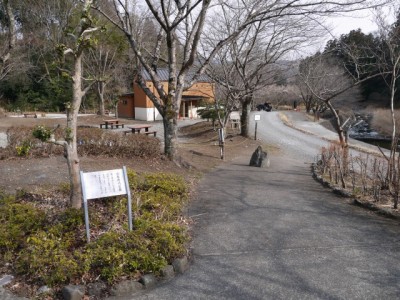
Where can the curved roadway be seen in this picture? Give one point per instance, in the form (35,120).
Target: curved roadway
(275,233)
(293,143)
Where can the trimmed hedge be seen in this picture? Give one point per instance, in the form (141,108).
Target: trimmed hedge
(91,142)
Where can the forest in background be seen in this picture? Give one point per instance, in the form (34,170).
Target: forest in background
(35,76)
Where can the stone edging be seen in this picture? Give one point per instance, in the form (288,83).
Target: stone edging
(339,191)
(127,288)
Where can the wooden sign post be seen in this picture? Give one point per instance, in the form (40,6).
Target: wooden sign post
(221,139)
(256,118)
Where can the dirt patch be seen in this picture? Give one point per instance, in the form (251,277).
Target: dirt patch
(198,151)
(199,146)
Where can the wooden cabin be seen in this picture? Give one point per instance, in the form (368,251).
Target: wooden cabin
(138,106)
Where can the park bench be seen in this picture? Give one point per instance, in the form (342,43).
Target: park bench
(27,115)
(146,132)
(151,132)
(111,124)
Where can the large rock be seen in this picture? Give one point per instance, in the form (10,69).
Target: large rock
(127,287)
(148,280)
(44,290)
(167,272)
(259,158)
(6,279)
(73,292)
(5,295)
(96,289)
(180,265)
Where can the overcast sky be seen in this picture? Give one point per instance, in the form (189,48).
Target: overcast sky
(343,24)
(353,21)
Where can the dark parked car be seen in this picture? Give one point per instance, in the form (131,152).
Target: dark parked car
(266,106)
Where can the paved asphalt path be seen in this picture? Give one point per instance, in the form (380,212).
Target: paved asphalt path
(277,234)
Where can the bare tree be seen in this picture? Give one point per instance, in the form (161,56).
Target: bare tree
(181,25)
(278,95)
(250,61)
(100,64)
(227,96)
(311,102)
(82,38)
(388,56)
(327,80)
(103,64)
(8,32)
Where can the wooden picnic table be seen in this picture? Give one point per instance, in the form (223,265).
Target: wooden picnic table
(111,123)
(137,128)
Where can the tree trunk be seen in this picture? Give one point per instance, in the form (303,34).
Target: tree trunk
(338,125)
(70,136)
(393,148)
(116,109)
(308,107)
(244,118)
(342,139)
(100,94)
(71,150)
(74,177)
(170,137)
(5,55)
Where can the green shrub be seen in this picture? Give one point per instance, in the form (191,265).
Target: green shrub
(23,150)
(106,256)
(169,184)
(167,239)
(42,133)
(52,249)
(72,219)
(116,254)
(134,180)
(64,188)
(18,220)
(159,196)
(210,112)
(160,206)
(48,259)
(48,254)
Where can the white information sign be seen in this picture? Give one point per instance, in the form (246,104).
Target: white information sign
(257,117)
(104,184)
